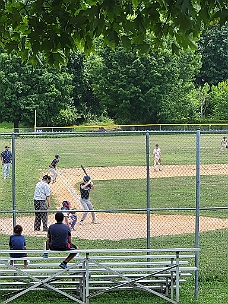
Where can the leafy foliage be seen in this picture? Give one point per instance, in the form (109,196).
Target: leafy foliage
(56,27)
(24,90)
(144,89)
(219,98)
(213,47)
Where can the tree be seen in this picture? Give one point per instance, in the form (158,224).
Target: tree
(24,90)
(84,99)
(144,89)
(200,97)
(213,47)
(56,27)
(219,98)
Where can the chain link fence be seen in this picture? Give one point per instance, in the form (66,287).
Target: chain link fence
(132,201)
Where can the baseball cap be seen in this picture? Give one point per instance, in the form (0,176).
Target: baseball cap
(6,147)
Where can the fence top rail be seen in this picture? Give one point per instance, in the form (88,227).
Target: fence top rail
(91,251)
(119,210)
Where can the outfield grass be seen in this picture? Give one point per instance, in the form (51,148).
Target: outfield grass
(170,192)
(34,154)
(213,277)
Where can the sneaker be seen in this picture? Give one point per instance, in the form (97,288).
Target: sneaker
(63,265)
(94,222)
(26,264)
(81,223)
(45,255)
(160,169)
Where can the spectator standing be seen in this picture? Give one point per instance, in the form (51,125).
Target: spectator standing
(17,242)
(53,167)
(85,188)
(59,238)
(157,157)
(6,158)
(41,196)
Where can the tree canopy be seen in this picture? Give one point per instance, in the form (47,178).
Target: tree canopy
(55,27)
(23,90)
(213,46)
(148,88)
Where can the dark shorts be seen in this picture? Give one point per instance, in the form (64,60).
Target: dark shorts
(18,255)
(70,247)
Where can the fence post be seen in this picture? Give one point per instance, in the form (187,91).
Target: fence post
(197,211)
(148,187)
(13,180)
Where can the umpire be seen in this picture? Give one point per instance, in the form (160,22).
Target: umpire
(41,195)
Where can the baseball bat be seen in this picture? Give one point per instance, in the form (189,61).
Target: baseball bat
(84,170)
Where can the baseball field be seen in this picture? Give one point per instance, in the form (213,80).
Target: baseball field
(117,166)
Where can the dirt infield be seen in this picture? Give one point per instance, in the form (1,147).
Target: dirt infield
(117,226)
(126,226)
(121,225)
(64,187)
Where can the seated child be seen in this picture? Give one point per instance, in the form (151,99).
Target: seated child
(17,242)
(73,220)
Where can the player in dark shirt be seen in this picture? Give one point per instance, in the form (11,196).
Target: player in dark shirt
(53,168)
(85,188)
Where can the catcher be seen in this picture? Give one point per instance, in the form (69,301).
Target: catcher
(157,157)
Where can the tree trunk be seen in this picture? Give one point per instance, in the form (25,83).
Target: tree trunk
(16,126)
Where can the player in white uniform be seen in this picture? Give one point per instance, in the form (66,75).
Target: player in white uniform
(223,144)
(157,157)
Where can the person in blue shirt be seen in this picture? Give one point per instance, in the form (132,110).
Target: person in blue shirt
(6,158)
(17,242)
(59,238)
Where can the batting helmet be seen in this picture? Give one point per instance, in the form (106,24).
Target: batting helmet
(86,178)
(57,156)
(66,204)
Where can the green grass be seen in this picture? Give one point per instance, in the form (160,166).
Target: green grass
(178,192)
(34,154)
(213,278)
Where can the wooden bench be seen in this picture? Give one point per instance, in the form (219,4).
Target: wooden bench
(96,271)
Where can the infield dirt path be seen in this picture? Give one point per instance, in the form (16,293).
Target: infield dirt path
(117,226)
(122,225)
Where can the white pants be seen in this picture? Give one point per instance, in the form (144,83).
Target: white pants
(155,162)
(87,205)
